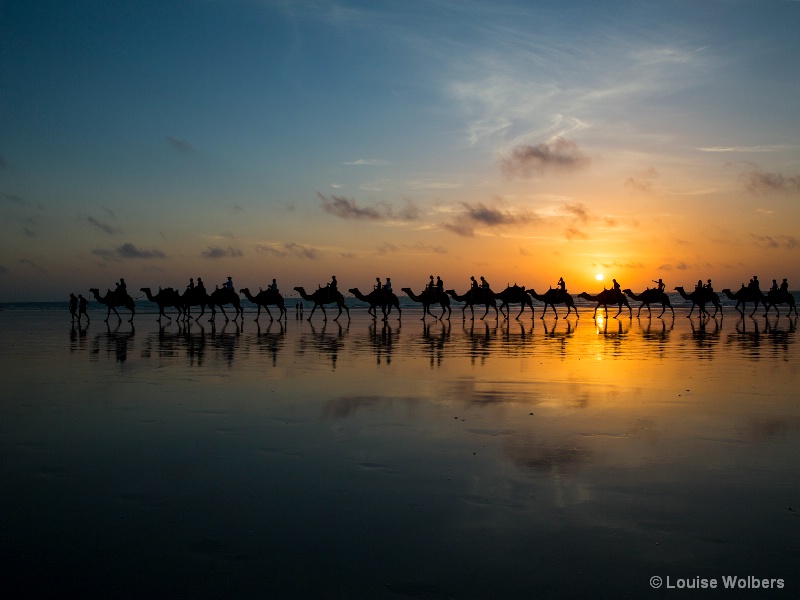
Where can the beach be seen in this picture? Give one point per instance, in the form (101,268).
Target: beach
(496,458)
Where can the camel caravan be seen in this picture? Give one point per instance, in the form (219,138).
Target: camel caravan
(433,295)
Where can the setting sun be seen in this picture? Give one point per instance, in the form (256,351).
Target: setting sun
(599,277)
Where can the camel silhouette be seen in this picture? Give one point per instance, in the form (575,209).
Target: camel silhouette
(114,299)
(382,298)
(651,296)
(263,299)
(164,298)
(320,298)
(219,298)
(700,298)
(194,297)
(552,297)
(745,295)
(605,298)
(429,297)
(776,297)
(511,295)
(482,296)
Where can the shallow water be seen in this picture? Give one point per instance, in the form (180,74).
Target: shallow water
(528,458)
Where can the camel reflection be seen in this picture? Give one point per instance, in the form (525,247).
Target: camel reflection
(115,342)
(776,336)
(188,339)
(434,340)
(705,337)
(656,335)
(324,342)
(270,341)
(226,341)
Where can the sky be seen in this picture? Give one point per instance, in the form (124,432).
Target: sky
(523,141)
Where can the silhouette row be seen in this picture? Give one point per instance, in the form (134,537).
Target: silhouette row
(434,294)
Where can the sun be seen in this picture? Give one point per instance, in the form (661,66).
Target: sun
(599,277)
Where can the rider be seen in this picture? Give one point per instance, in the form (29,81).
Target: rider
(473,288)
(659,284)
(378,284)
(388,285)
(228,285)
(190,287)
(122,287)
(561,286)
(201,287)
(273,287)
(484,284)
(616,288)
(784,286)
(708,287)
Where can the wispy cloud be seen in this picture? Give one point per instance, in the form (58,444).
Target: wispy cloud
(347,208)
(103,226)
(480,215)
(779,241)
(29,263)
(181,146)
(285,249)
(759,182)
(215,252)
(368,162)
(128,250)
(558,155)
(746,149)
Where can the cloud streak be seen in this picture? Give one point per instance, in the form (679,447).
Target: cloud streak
(128,251)
(215,252)
(558,155)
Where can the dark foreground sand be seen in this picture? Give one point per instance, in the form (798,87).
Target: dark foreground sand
(522,459)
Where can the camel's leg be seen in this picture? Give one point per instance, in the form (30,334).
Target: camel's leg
(313,308)
(340,312)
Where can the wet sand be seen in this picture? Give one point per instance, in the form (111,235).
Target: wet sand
(501,459)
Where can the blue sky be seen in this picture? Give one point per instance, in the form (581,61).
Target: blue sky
(159,141)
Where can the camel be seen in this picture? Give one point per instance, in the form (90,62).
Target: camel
(382,298)
(651,296)
(263,298)
(114,299)
(164,298)
(700,298)
(473,297)
(552,297)
(427,298)
(194,297)
(513,294)
(605,298)
(321,297)
(743,296)
(776,297)
(219,298)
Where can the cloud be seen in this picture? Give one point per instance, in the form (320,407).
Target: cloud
(127,250)
(12,199)
(558,155)
(28,262)
(758,181)
(573,233)
(780,241)
(180,145)
(289,248)
(215,252)
(346,208)
(724,149)
(477,215)
(579,211)
(109,229)
(369,162)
